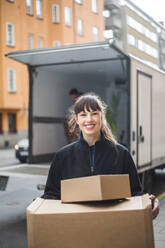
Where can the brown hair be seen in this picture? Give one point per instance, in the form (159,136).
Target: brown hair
(89,101)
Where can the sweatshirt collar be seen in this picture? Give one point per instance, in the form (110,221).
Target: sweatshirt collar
(102,138)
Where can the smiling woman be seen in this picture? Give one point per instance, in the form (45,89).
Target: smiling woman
(89,117)
(95,152)
(90,123)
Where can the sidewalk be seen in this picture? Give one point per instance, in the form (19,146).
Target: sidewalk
(7,157)
(159,225)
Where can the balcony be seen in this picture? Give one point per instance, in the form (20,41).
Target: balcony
(162,66)
(162,47)
(162,61)
(162,50)
(113,22)
(112,34)
(111,4)
(162,35)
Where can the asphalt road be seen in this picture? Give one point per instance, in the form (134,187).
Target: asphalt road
(159,182)
(7,158)
(18,188)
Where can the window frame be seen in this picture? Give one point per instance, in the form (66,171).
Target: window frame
(80,28)
(12,87)
(29,41)
(12,43)
(94,6)
(55,14)
(94,35)
(67,11)
(40,42)
(14,129)
(29,8)
(40,6)
(79,1)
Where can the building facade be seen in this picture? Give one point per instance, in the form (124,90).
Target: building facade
(31,24)
(135,32)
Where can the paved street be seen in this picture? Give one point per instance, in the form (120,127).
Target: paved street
(20,183)
(20,192)
(7,157)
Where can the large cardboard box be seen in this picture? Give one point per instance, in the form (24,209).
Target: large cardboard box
(95,188)
(126,224)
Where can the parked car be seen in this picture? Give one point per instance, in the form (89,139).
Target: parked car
(22,150)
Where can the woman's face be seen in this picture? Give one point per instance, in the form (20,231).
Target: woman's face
(90,122)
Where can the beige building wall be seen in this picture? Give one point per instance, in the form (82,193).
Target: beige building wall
(133,31)
(140,36)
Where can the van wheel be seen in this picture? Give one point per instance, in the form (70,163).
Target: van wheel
(22,160)
(147,178)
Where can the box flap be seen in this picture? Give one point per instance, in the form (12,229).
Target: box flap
(56,207)
(35,205)
(146,202)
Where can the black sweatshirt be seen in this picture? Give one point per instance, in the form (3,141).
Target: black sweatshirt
(73,161)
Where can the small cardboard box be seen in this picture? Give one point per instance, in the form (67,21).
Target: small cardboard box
(95,188)
(128,223)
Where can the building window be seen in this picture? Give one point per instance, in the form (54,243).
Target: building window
(39,8)
(55,13)
(154,37)
(79,27)
(40,42)
(56,43)
(10,39)
(131,40)
(29,9)
(67,16)
(94,6)
(154,53)
(141,29)
(30,41)
(140,45)
(1,131)
(11,80)
(79,1)
(95,33)
(12,123)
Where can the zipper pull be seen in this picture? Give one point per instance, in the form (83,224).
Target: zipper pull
(92,169)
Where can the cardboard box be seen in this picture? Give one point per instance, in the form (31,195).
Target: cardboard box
(95,188)
(127,224)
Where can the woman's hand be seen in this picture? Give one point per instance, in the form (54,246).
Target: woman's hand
(155,206)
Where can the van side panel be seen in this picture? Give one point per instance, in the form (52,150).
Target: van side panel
(157,123)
